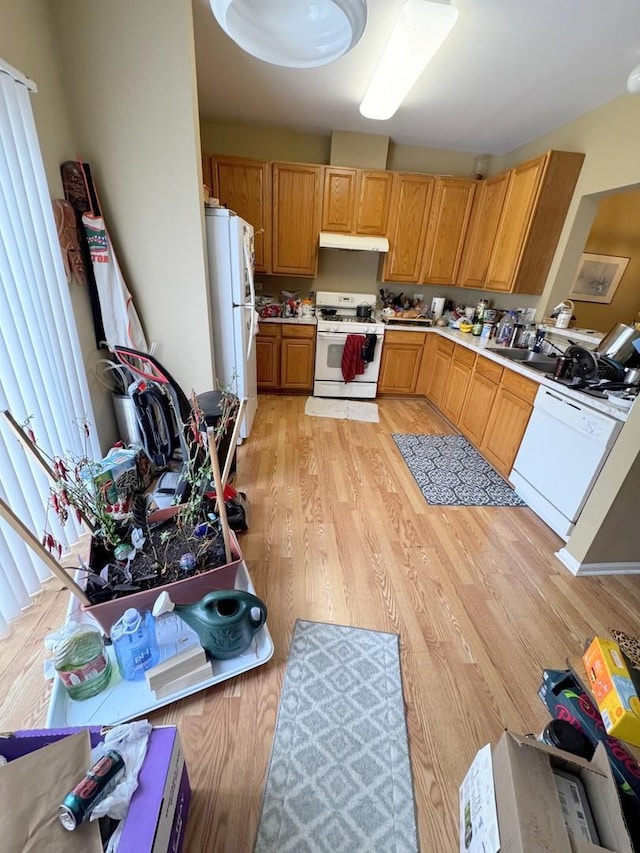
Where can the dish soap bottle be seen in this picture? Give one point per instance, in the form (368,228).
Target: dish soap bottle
(135,644)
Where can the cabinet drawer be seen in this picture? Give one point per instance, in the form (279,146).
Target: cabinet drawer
(489,369)
(399,337)
(445,347)
(294,331)
(464,356)
(522,387)
(268,330)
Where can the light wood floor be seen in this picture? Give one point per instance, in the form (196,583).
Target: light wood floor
(341,533)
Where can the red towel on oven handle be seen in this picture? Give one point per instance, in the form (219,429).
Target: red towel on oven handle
(352,362)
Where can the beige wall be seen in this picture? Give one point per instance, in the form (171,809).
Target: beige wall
(129,77)
(609,137)
(615,231)
(270,143)
(27,43)
(263,143)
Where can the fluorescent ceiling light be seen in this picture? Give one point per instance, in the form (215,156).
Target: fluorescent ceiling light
(417,35)
(293,33)
(633,81)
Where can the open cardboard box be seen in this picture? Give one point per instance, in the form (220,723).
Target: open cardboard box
(530,818)
(157,816)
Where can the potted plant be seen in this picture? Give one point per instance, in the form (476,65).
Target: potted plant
(187,549)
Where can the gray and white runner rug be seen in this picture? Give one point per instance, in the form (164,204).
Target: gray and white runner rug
(339,779)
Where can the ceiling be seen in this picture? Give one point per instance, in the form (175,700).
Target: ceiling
(510,71)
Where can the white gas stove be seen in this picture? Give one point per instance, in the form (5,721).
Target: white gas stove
(337,316)
(338,312)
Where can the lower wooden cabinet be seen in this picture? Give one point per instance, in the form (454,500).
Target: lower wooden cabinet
(489,404)
(268,357)
(442,352)
(508,420)
(481,394)
(400,362)
(285,356)
(458,379)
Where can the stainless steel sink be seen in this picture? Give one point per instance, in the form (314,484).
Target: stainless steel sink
(535,360)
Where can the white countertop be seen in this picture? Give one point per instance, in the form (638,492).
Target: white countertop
(300,321)
(466,339)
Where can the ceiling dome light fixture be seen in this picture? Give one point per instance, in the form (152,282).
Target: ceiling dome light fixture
(417,35)
(293,33)
(633,81)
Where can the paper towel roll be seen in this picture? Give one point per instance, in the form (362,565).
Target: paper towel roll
(437,306)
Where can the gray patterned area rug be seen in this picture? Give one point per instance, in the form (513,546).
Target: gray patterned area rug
(339,780)
(451,472)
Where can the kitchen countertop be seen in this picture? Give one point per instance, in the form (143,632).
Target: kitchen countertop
(466,339)
(300,321)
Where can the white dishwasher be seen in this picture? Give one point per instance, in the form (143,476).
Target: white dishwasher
(564,447)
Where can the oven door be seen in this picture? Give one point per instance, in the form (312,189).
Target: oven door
(329,349)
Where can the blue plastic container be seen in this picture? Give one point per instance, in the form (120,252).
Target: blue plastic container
(135,644)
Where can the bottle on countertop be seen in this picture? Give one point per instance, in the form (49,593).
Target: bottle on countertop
(80,659)
(135,644)
(541,333)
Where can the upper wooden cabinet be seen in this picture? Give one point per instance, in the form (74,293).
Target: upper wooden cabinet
(447,230)
(297,202)
(243,186)
(356,201)
(482,230)
(409,216)
(536,203)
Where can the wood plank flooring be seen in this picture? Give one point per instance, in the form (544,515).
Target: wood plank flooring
(339,532)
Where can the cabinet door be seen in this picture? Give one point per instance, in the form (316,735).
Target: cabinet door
(243,186)
(439,377)
(458,380)
(477,407)
(338,200)
(400,362)
(374,199)
(296,364)
(503,434)
(481,234)
(522,192)
(448,222)
(297,203)
(268,360)
(409,213)
(207,178)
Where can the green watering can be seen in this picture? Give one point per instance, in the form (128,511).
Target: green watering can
(222,620)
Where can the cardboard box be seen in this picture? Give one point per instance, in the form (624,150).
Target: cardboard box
(613,689)
(530,814)
(566,699)
(157,816)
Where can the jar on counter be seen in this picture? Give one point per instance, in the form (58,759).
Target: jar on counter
(80,660)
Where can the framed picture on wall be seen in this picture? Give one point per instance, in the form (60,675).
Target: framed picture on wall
(597,278)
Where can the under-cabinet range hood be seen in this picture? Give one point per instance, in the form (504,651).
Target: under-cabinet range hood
(353,242)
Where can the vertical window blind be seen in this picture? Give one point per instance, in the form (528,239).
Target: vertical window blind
(42,374)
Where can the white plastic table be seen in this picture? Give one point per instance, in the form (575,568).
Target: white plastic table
(124,700)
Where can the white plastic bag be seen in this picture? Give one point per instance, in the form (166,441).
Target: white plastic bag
(130,740)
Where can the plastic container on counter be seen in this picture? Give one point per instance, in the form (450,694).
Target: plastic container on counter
(80,660)
(135,643)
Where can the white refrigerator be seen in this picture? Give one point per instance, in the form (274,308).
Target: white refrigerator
(234,324)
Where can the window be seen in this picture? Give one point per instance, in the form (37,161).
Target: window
(42,374)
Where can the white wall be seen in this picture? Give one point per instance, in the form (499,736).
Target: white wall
(129,77)
(609,136)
